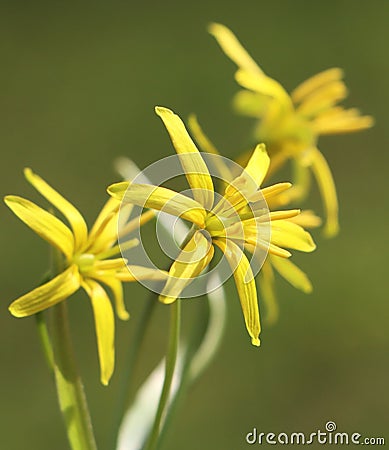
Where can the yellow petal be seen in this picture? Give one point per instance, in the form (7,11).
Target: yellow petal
(56,290)
(290,235)
(311,84)
(272,191)
(268,294)
(264,85)
(307,219)
(139,273)
(195,169)
(106,236)
(102,240)
(104,230)
(110,264)
(105,328)
(323,99)
(293,274)
(277,215)
(192,260)
(256,238)
(117,249)
(233,48)
(110,206)
(201,138)
(342,121)
(327,189)
(252,247)
(135,223)
(207,146)
(245,284)
(251,104)
(245,185)
(117,290)
(258,164)
(43,223)
(159,198)
(299,190)
(76,221)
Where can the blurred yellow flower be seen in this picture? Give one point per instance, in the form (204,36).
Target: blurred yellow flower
(236,220)
(291,124)
(85,263)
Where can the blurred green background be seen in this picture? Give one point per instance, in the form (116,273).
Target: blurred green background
(78,85)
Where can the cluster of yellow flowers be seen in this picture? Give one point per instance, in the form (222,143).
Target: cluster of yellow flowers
(288,128)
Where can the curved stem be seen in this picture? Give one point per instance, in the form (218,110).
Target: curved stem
(200,355)
(192,346)
(171,358)
(125,397)
(70,390)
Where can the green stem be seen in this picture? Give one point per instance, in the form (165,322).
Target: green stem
(43,331)
(134,350)
(202,348)
(193,344)
(70,390)
(45,340)
(170,364)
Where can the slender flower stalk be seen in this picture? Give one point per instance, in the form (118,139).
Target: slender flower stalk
(125,394)
(84,261)
(236,223)
(44,337)
(170,365)
(290,125)
(70,389)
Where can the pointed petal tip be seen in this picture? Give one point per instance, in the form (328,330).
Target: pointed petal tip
(287,184)
(192,117)
(123,315)
(311,243)
(7,199)
(15,311)
(117,190)
(331,230)
(308,289)
(256,342)
(27,171)
(166,300)
(161,110)
(261,147)
(104,381)
(213,27)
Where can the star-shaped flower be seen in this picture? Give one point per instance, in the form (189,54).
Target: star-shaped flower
(86,263)
(290,125)
(273,263)
(235,223)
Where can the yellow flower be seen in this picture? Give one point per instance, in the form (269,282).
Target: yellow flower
(85,263)
(291,124)
(283,266)
(234,223)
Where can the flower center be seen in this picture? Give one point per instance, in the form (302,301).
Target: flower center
(84,262)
